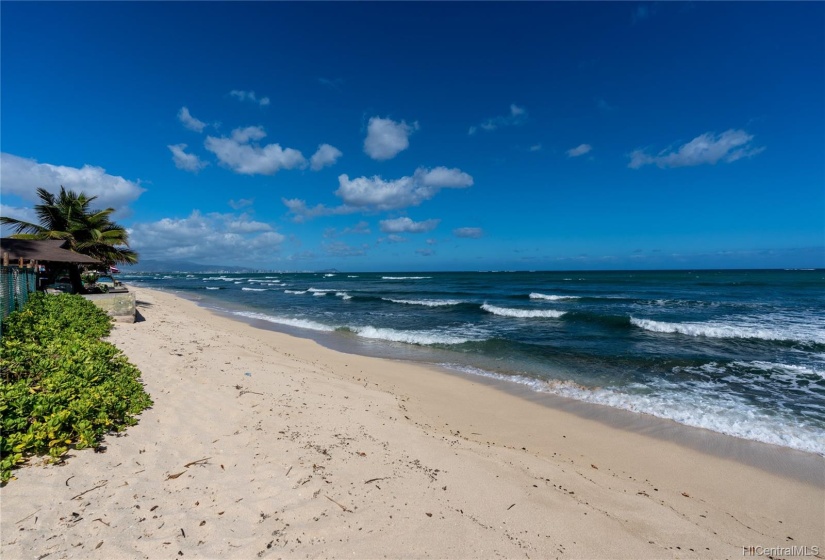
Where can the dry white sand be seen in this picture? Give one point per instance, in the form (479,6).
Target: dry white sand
(261,445)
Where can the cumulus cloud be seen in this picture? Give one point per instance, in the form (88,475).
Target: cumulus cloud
(242,154)
(374,193)
(22,176)
(386,138)
(301,212)
(468,232)
(187,162)
(341,249)
(535,148)
(324,156)
(361,228)
(516,116)
(707,148)
(242,95)
(211,237)
(241,203)
(579,150)
(406,225)
(425,252)
(189,121)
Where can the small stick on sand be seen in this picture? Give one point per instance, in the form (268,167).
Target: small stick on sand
(32,513)
(336,503)
(187,465)
(105,482)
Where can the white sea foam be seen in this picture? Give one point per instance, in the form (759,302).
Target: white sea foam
(343,295)
(783,368)
(521,313)
(422,338)
(744,327)
(319,293)
(426,302)
(405,277)
(212,288)
(550,297)
(704,406)
(328,275)
(295,291)
(292,322)
(245,289)
(352,276)
(314,290)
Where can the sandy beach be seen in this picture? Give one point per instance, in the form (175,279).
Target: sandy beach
(263,445)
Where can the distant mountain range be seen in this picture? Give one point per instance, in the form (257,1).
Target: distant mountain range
(179,266)
(185,266)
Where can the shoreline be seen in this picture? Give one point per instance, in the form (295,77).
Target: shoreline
(314,452)
(777,459)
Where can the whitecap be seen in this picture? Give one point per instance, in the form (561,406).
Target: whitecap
(550,297)
(422,338)
(426,302)
(791,331)
(292,322)
(521,313)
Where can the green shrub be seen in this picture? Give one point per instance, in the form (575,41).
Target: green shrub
(61,386)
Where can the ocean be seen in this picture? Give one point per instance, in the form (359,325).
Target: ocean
(737,352)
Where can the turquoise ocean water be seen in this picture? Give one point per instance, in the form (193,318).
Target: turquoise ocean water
(736,352)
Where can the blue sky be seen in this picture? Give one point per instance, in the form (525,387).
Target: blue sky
(428,136)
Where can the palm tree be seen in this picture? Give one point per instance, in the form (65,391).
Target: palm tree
(89,232)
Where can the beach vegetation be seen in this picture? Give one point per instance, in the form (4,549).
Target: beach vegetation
(61,386)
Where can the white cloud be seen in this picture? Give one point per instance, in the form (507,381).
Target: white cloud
(535,148)
(241,203)
(210,237)
(326,155)
(377,194)
(371,194)
(341,249)
(469,232)
(242,95)
(425,252)
(707,148)
(189,121)
(187,162)
(361,228)
(387,138)
(302,213)
(406,225)
(239,153)
(22,176)
(393,238)
(516,116)
(579,150)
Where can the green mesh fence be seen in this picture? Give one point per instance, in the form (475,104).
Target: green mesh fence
(15,286)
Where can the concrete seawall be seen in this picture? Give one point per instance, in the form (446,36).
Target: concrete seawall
(119,306)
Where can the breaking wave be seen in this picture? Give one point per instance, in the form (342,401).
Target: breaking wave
(521,313)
